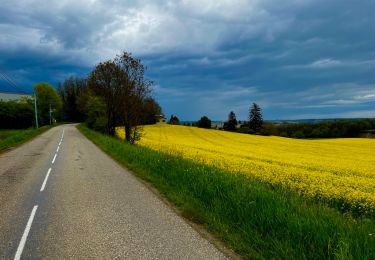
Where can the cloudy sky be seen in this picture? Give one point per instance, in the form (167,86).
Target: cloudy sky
(295,58)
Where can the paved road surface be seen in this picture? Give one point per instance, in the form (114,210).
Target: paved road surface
(80,204)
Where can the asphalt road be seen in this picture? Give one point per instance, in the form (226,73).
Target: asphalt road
(63,198)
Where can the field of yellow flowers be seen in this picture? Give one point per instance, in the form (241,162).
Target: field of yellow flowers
(333,169)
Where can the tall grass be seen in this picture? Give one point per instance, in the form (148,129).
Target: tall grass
(10,138)
(257,220)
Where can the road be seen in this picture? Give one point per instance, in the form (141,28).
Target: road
(62,198)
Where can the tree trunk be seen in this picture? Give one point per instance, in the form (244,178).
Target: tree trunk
(127,132)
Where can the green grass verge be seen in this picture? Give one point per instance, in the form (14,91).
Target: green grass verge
(11,138)
(255,219)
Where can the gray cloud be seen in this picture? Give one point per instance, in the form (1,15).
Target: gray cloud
(301,57)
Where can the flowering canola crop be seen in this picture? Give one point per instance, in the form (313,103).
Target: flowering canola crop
(338,169)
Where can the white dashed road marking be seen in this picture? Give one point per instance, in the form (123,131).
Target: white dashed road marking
(54,158)
(45,180)
(32,215)
(25,234)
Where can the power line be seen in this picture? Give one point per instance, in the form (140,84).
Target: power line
(10,81)
(7,78)
(13,84)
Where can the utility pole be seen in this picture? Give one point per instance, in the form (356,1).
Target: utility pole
(36,111)
(50,117)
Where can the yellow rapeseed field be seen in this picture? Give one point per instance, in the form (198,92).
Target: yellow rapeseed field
(341,169)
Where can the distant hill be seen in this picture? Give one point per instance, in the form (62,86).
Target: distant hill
(280,121)
(314,120)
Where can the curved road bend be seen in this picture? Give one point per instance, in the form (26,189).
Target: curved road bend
(62,198)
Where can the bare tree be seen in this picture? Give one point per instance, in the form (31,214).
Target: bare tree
(135,89)
(104,82)
(122,85)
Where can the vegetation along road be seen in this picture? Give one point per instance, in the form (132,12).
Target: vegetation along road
(62,197)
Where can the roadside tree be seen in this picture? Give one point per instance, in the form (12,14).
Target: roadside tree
(124,89)
(135,89)
(104,81)
(70,92)
(48,102)
(96,113)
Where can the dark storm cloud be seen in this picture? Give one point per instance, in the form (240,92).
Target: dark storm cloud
(296,59)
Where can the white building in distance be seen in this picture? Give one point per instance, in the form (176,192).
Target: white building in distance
(6,96)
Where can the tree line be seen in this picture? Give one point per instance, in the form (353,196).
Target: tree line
(256,125)
(115,94)
(325,129)
(16,114)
